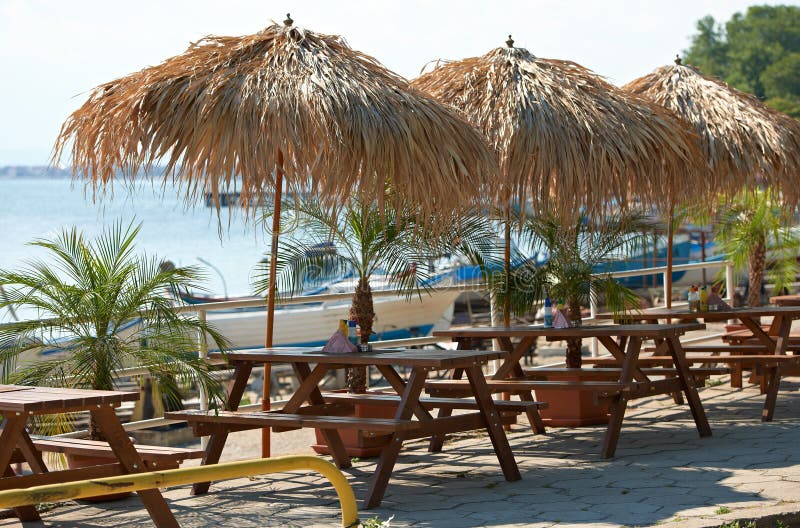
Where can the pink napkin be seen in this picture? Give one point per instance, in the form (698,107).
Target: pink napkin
(560,320)
(714,298)
(339,344)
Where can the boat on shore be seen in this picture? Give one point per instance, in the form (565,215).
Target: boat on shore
(312,323)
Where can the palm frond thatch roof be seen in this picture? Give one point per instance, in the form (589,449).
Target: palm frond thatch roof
(742,139)
(565,137)
(222,115)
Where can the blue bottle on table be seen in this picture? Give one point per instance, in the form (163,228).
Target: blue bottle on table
(352,333)
(548,313)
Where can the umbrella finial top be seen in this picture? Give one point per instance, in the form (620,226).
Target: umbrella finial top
(510,42)
(678,60)
(288,22)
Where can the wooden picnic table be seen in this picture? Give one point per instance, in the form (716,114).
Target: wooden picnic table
(773,342)
(623,341)
(311,365)
(785,300)
(19,403)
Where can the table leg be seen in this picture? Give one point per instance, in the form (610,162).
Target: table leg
(408,401)
(492,420)
(118,439)
(620,402)
(758,333)
(309,385)
(24,513)
(782,331)
(687,383)
(512,366)
(437,441)
(512,362)
(217,441)
(11,435)
(773,375)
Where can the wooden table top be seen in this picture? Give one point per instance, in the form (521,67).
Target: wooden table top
(638,330)
(442,359)
(731,313)
(46,400)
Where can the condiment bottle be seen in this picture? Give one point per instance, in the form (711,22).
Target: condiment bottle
(352,332)
(703,298)
(548,313)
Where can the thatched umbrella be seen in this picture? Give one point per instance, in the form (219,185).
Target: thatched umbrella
(565,138)
(282,106)
(744,141)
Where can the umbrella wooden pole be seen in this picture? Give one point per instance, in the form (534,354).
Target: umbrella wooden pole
(670,236)
(507,269)
(273,264)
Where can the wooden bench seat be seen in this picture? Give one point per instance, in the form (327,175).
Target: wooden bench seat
(605,389)
(157,456)
(606,372)
(435,403)
(524,385)
(284,421)
(721,349)
(738,336)
(764,359)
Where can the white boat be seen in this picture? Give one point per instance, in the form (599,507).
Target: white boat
(312,325)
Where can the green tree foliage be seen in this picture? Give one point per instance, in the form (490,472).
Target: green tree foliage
(364,240)
(756,233)
(757,52)
(103,309)
(577,253)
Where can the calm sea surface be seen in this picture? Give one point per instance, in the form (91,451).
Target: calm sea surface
(34,208)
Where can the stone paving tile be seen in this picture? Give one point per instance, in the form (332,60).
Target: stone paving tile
(663,474)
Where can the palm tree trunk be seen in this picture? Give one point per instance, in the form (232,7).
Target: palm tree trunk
(757,265)
(574,345)
(362,310)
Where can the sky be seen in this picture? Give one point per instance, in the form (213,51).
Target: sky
(52,53)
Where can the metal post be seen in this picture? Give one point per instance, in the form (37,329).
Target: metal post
(729,285)
(202,353)
(593,314)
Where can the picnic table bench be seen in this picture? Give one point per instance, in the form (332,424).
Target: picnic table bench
(154,457)
(308,407)
(19,403)
(630,381)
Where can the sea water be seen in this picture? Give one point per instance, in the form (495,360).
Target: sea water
(171,229)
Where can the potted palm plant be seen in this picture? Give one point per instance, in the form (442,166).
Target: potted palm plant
(363,240)
(579,256)
(751,228)
(95,308)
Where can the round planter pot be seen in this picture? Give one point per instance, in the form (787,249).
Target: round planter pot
(571,408)
(361,444)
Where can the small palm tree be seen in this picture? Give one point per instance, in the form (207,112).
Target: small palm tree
(363,239)
(752,225)
(105,309)
(573,272)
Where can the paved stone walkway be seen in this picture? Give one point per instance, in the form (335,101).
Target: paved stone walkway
(663,474)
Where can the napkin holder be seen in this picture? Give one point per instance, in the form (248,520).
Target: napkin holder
(560,320)
(339,344)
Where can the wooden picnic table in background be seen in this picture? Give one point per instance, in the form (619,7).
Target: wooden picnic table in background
(623,341)
(19,403)
(785,300)
(764,349)
(311,365)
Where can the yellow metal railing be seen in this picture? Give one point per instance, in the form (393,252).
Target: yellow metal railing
(189,475)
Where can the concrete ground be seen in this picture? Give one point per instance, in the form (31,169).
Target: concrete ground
(663,474)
